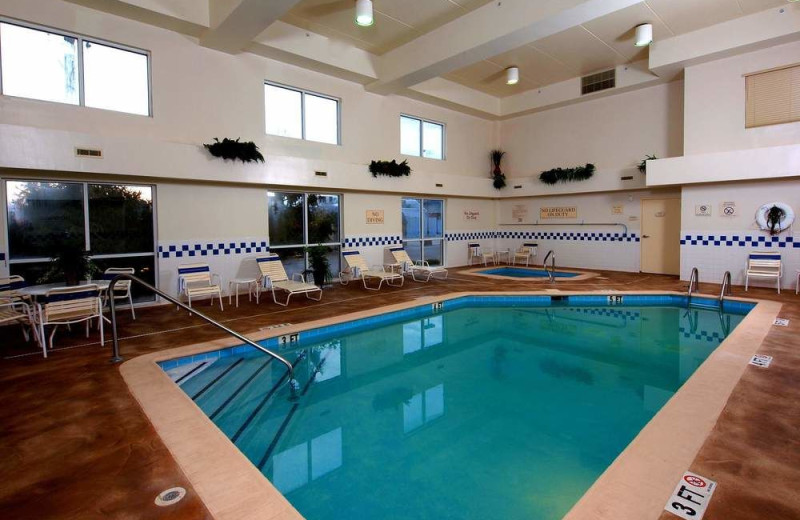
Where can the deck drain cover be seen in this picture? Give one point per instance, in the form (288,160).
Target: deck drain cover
(170,496)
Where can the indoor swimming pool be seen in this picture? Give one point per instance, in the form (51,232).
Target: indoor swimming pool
(473,408)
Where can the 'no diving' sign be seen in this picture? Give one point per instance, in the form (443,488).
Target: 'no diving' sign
(691,496)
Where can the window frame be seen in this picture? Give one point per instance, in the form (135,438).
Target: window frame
(80,40)
(422,237)
(303,93)
(422,120)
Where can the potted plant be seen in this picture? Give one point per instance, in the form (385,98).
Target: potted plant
(320,265)
(578,173)
(498,178)
(642,166)
(234,149)
(70,262)
(389,168)
(774,217)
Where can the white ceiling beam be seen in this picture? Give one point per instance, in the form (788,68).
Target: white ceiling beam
(488,31)
(245,20)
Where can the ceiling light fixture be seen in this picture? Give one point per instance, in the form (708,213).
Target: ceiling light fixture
(512,75)
(644,35)
(364,13)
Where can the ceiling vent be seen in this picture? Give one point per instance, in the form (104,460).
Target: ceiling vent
(597,82)
(89,152)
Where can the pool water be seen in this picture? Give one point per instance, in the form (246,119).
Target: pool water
(522,272)
(491,412)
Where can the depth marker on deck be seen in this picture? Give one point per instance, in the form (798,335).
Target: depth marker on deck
(691,496)
(781,322)
(761,361)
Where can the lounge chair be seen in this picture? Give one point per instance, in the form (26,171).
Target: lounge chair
(122,289)
(196,280)
(763,264)
(9,286)
(67,305)
(423,269)
(357,269)
(525,254)
(483,255)
(273,273)
(17,311)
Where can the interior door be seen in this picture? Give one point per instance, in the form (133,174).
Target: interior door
(661,236)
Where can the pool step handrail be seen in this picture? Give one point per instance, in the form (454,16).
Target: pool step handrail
(726,286)
(115,356)
(551,255)
(694,283)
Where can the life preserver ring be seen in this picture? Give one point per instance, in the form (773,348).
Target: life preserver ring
(786,221)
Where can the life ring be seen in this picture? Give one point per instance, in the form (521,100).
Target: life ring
(786,221)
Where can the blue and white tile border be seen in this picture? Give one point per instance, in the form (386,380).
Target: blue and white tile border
(371,241)
(745,239)
(200,248)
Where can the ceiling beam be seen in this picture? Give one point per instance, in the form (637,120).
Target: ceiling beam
(493,29)
(245,19)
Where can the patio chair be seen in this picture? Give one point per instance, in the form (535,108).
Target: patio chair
(122,289)
(17,311)
(272,272)
(525,253)
(197,280)
(763,264)
(483,255)
(423,269)
(64,306)
(357,269)
(9,286)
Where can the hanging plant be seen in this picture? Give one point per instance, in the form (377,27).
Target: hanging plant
(579,173)
(775,216)
(643,164)
(391,168)
(234,149)
(498,178)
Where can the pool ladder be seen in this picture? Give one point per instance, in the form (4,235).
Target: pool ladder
(694,283)
(116,358)
(551,255)
(726,286)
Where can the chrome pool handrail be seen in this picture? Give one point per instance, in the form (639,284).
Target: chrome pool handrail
(694,282)
(726,286)
(550,274)
(116,358)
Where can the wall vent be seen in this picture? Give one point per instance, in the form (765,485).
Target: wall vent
(626,178)
(518,186)
(439,185)
(89,152)
(321,174)
(597,82)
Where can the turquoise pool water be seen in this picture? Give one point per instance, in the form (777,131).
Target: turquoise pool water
(522,272)
(490,408)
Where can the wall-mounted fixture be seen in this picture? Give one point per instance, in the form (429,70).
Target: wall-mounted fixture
(644,35)
(364,13)
(321,174)
(439,185)
(512,75)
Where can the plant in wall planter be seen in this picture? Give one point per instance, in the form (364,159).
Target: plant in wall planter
(70,261)
(556,175)
(320,265)
(234,149)
(498,178)
(389,168)
(642,166)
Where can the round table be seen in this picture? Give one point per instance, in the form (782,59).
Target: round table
(35,291)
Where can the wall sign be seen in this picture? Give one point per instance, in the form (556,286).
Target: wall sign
(552,212)
(702,210)
(472,215)
(728,209)
(374,216)
(519,212)
(691,496)
(617,209)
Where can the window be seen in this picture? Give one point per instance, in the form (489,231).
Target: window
(118,218)
(421,138)
(39,64)
(300,220)
(772,97)
(296,113)
(423,229)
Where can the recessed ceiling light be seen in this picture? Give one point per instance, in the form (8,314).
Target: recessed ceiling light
(364,13)
(512,75)
(644,35)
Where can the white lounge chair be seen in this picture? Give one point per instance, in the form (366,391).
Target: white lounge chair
(357,269)
(273,273)
(483,255)
(423,269)
(17,311)
(525,254)
(196,280)
(122,289)
(763,264)
(9,286)
(64,306)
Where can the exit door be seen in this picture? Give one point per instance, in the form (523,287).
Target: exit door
(661,236)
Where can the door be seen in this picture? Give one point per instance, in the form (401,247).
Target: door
(661,236)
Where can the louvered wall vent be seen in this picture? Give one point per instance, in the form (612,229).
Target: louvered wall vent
(597,82)
(89,152)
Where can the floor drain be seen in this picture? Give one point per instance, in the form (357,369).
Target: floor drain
(170,496)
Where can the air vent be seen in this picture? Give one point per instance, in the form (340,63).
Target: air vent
(597,82)
(518,186)
(626,178)
(89,152)
(439,185)
(321,174)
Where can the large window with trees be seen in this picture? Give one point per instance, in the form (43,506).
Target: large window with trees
(113,222)
(423,229)
(298,221)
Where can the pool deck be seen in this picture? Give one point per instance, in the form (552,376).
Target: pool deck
(76,444)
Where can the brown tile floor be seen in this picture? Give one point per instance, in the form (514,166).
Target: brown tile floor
(75,444)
